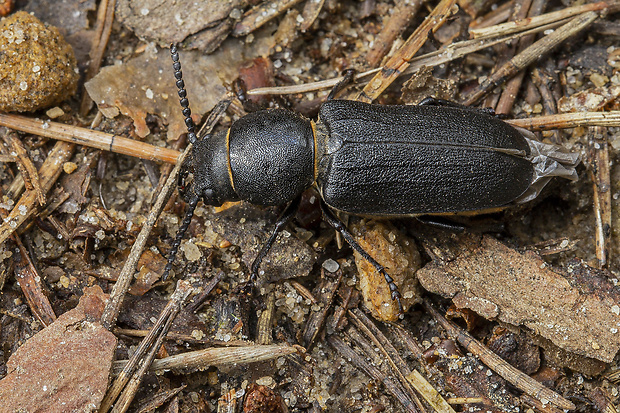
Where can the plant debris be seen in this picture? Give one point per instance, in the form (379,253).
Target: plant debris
(519,311)
(575,308)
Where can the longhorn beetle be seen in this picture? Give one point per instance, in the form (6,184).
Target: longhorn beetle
(373,160)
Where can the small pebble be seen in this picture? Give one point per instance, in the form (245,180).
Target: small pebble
(330,265)
(69,167)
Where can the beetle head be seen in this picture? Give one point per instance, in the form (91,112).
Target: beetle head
(205,173)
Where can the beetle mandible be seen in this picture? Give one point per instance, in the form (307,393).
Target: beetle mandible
(373,160)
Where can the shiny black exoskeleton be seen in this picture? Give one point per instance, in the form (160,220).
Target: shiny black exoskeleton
(371,160)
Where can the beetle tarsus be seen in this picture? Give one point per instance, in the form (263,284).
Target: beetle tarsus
(342,229)
(347,78)
(240,91)
(282,221)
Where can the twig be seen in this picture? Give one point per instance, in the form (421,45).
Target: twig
(398,63)
(544,19)
(531,54)
(202,359)
(395,25)
(130,378)
(31,284)
(303,291)
(260,15)
(494,362)
(113,306)
(89,137)
(568,120)
(48,174)
(103,28)
(25,166)
(598,157)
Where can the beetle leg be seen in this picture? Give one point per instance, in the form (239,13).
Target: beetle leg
(240,91)
(441,223)
(431,101)
(347,78)
(284,219)
(342,229)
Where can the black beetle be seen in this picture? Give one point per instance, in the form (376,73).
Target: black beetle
(373,160)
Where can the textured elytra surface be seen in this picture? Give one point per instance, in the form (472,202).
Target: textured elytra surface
(402,160)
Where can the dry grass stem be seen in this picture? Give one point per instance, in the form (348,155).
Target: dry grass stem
(568,120)
(598,158)
(202,359)
(138,366)
(48,174)
(543,19)
(89,137)
(531,54)
(113,307)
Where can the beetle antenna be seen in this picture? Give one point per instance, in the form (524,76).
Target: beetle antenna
(187,113)
(174,248)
